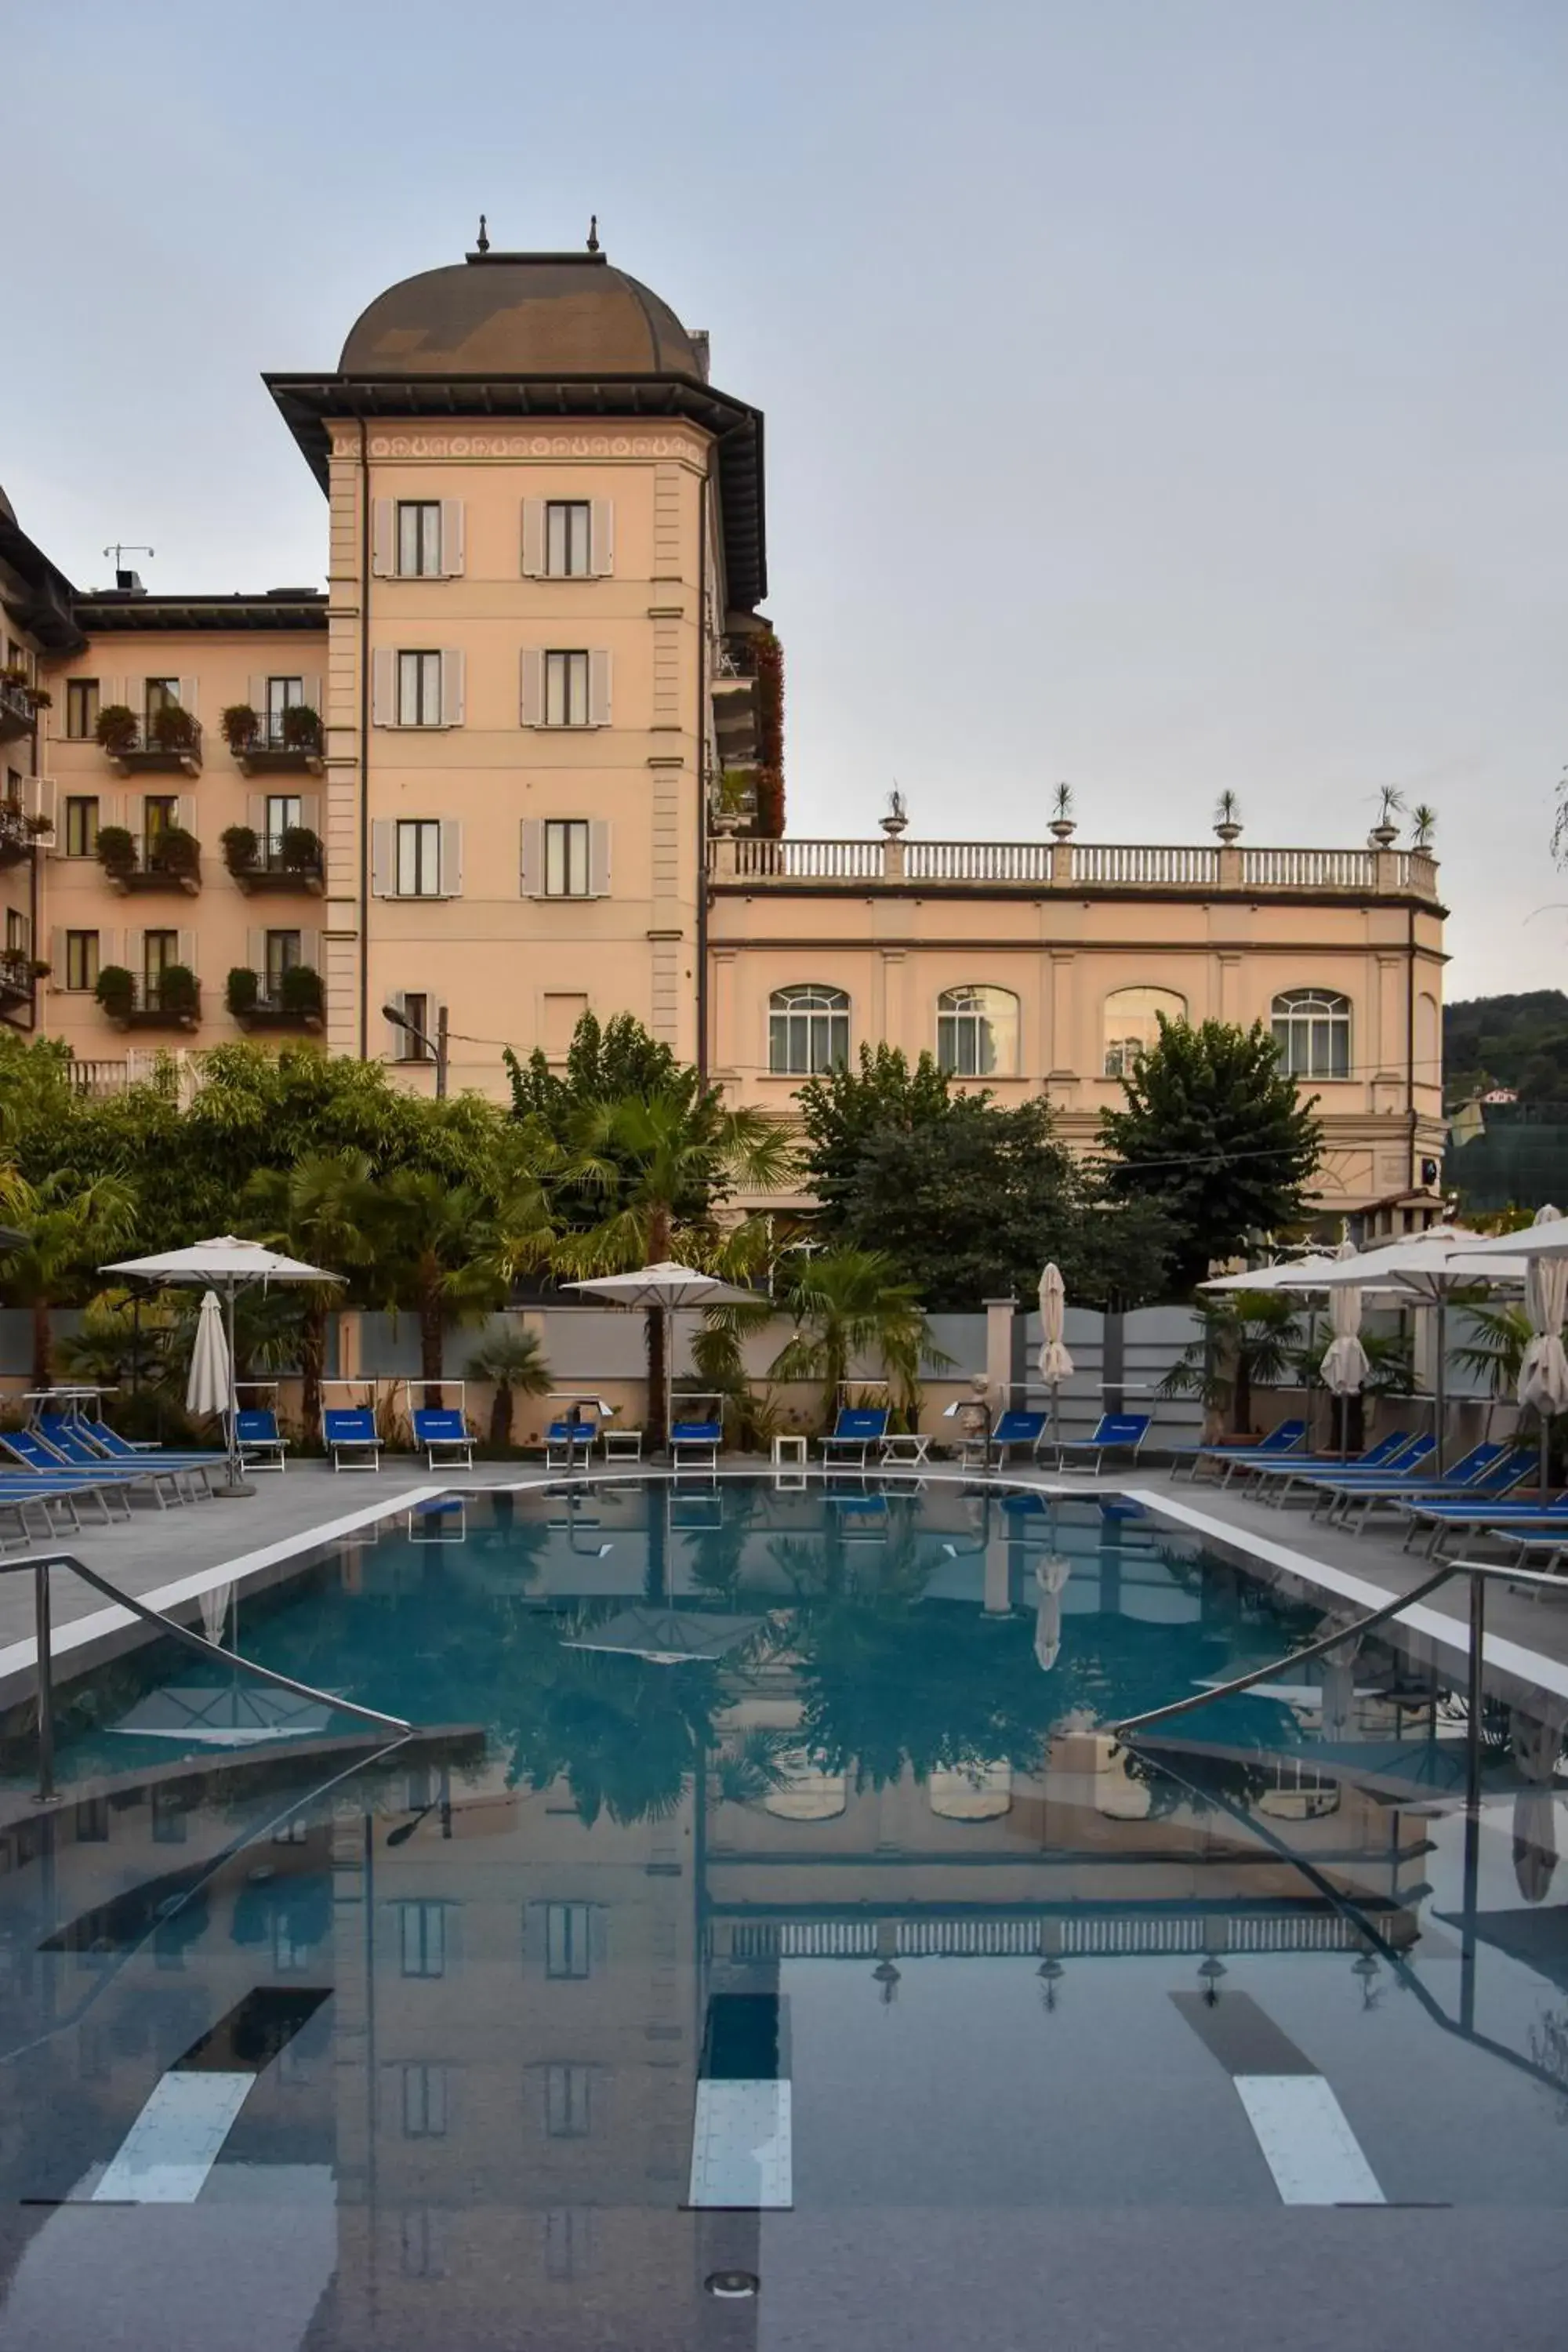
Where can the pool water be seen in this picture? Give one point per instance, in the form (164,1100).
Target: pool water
(762,1938)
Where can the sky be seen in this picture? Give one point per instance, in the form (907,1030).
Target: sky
(1162,396)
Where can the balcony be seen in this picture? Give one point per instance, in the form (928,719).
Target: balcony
(17,979)
(263,862)
(19,833)
(168,1000)
(132,862)
(292,1000)
(736,703)
(168,744)
(289,744)
(17,710)
(1101,869)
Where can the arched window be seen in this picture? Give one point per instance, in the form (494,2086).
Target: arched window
(809,1030)
(977,1032)
(1132,1024)
(1312,1031)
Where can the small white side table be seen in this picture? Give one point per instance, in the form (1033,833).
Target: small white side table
(790,1449)
(621,1445)
(905,1450)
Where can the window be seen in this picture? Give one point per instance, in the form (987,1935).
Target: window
(418,539)
(81,960)
(1132,1024)
(291,1953)
(81,708)
(566,689)
(1312,1031)
(419,689)
(283,954)
(159,950)
(282,694)
(424,2102)
(412,1048)
(977,1032)
(285,811)
(169,1822)
(159,812)
(568,538)
(566,1939)
(91,1821)
(81,826)
(566,857)
(418,858)
(18,932)
(569,2247)
(809,1030)
(160,693)
(423,2243)
(568,2101)
(421,1939)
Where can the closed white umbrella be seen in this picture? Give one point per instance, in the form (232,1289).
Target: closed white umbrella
(206,1388)
(1345,1366)
(1544,1367)
(1051,1576)
(1056,1364)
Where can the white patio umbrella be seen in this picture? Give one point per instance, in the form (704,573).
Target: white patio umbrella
(206,1388)
(1051,1575)
(1056,1364)
(1345,1366)
(228,1263)
(660,1289)
(1544,1367)
(1428,1269)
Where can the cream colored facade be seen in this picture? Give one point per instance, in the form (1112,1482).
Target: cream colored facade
(533,669)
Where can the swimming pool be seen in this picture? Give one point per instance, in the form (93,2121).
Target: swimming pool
(762,1939)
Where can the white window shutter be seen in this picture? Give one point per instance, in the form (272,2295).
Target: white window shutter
(451,859)
(602,537)
(188,694)
(185,812)
(599,688)
(530,869)
(452,686)
(452,538)
(313,698)
(45,797)
(256,695)
(397,998)
(383,538)
(255,953)
(255,815)
(382,688)
(533,686)
(533,539)
(598,859)
(383,856)
(311,812)
(310,949)
(58,958)
(186,947)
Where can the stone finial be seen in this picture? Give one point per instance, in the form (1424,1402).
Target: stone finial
(594,232)
(482,242)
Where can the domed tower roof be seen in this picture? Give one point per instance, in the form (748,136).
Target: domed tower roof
(523,314)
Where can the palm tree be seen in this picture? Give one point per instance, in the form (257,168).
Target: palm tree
(439,1252)
(658,1165)
(1246,1336)
(67,1229)
(514,1359)
(849,1303)
(323,1208)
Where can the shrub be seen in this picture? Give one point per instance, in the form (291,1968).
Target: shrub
(116,728)
(116,849)
(301,849)
(241,725)
(242,990)
(177,852)
(179,991)
(299,991)
(172,729)
(241,847)
(115,990)
(302,727)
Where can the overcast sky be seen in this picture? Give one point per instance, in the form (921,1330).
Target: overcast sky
(1161,394)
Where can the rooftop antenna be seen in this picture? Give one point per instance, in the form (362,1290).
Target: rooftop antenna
(594,232)
(123,546)
(482,243)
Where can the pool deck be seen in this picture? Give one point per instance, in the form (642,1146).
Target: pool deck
(170,1554)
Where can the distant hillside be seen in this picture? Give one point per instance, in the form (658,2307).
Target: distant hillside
(1507,1041)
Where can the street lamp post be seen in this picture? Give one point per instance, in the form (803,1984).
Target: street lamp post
(437,1046)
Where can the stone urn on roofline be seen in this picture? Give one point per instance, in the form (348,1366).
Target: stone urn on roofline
(1064,824)
(1227,818)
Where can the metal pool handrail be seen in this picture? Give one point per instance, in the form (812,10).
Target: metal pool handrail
(41,1563)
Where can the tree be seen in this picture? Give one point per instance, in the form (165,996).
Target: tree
(646,1161)
(1246,1336)
(514,1359)
(844,1110)
(849,1304)
(68,1230)
(437,1254)
(602,1065)
(1215,1132)
(322,1209)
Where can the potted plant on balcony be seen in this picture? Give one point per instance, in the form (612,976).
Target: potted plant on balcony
(1064,824)
(177,852)
(301,850)
(1227,817)
(39,968)
(116,851)
(241,848)
(242,991)
(241,725)
(179,992)
(300,992)
(301,727)
(1423,826)
(115,989)
(40,824)
(116,728)
(172,729)
(1391,806)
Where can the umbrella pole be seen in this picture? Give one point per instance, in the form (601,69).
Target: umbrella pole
(234,1486)
(1439,1383)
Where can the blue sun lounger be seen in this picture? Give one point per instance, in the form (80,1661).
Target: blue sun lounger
(350,1435)
(72,1445)
(39,1459)
(1386,1455)
(256,1433)
(1305,1477)
(1285,1437)
(441,1429)
(858,1428)
(1485,1470)
(567,1442)
(1116,1432)
(113,1448)
(1017,1429)
(700,1440)
(1467,1515)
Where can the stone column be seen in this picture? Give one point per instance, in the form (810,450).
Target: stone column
(999,1314)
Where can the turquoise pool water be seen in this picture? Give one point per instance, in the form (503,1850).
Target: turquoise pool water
(761,1939)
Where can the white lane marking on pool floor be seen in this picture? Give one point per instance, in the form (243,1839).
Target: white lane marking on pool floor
(1306,2141)
(741,2146)
(175,2142)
